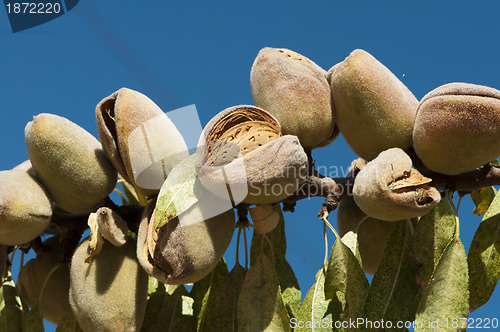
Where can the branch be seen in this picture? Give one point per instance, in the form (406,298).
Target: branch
(334,189)
(485,176)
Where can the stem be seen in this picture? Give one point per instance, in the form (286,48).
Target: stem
(327,223)
(455,213)
(246,247)
(11,259)
(238,246)
(325,261)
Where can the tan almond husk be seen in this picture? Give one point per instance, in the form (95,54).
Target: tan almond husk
(457,128)
(264,218)
(112,226)
(373,109)
(388,188)
(118,117)
(295,90)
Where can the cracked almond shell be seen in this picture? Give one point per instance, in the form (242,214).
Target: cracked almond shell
(388,188)
(294,90)
(457,128)
(69,162)
(55,303)
(139,139)
(25,208)
(247,144)
(108,294)
(374,110)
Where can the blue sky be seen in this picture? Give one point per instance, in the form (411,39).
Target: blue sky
(193,52)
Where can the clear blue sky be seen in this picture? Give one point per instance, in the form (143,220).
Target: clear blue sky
(192,52)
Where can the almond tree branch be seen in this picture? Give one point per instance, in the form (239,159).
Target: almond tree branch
(333,189)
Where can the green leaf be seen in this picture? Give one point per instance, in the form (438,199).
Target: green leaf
(176,313)
(68,324)
(482,198)
(34,320)
(178,193)
(223,307)
(276,237)
(260,305)
(447,296)
(393,289)
(156,299)
(290,289)
(344,274)
(484,261)
(316,310)
(433,233)
(153,285)
(11,313)
(494,208)
(203,292)
(350,239)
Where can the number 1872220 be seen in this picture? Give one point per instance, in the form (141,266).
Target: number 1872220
(33,8)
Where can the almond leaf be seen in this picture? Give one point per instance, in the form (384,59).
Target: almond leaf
(11,313)
(433,233)
(224,305)
(393,289)
(447,296)
(203,292)
(484,260)
(176,313)
(290,289)
(482,199)
(34,321)
(344,274)
(316,309)
(350,239)
(156,299)
(177,193)
(260,305)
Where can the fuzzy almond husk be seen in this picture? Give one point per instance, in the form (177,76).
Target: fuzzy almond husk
(108,294)
(264,218)
(388,188)
(25,208)
(374,110)
(55,302)
(294,90)
(187,248)
(457,128)
(139,138)
(70,163)
(246,143)
(26,167)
